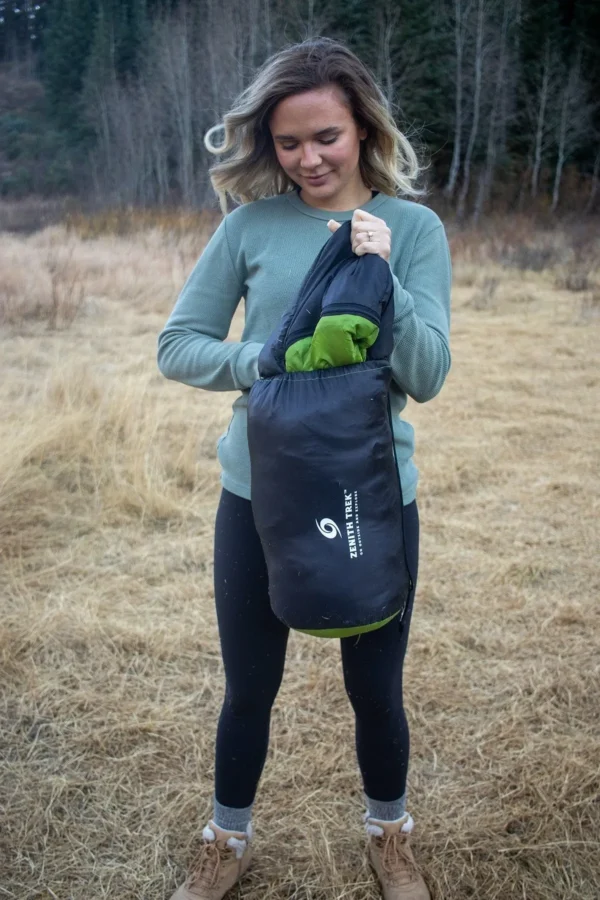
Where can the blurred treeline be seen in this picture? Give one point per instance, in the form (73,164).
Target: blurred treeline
(110,99)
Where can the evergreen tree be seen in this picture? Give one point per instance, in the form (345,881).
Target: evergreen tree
(68,41)
(18,31)
(126,22)
(85,41)
(134,27)
(101,62)
(402,40)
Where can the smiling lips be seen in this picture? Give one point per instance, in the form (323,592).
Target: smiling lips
(316,177)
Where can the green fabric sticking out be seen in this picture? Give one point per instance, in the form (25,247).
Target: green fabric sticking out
(338,341)
(297,357)
(346,632)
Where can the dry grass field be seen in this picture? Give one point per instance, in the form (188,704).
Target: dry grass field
(110,667)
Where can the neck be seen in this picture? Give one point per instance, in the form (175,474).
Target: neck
(351,198)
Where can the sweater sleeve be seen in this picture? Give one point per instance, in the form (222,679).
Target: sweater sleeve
(421,356)
(192,346)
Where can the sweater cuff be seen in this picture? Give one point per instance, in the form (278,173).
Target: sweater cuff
(246,364)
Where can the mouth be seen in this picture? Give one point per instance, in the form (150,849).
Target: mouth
(317,179)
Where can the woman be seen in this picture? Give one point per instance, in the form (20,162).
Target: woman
(311,144)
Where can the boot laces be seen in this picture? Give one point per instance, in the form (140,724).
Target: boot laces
(204,870)
(397,859)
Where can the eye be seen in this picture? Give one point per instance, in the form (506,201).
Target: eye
(322,141)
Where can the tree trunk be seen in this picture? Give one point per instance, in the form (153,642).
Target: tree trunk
(560,158)
(589,206)
(476,113)
(387,25)
(458,101)
(541,122)
(267,18)
(311,18)
(575,121)
(178,83)
(486,177)
(159,151)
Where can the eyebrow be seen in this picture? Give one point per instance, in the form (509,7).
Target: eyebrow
(291,137)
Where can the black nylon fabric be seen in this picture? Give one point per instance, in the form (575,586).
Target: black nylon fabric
(326,495)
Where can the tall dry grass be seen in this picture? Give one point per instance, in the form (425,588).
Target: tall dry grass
(111,673)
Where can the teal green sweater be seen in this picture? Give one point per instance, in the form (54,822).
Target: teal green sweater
(261,252)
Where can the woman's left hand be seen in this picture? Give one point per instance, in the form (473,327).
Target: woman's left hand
(369,234)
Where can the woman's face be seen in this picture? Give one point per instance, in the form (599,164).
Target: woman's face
(317,142)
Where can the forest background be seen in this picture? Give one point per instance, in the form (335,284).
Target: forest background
(108,101)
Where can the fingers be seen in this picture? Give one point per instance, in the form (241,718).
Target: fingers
(358,239)
(363,223)
(362,237)
(364,216)
(361,243)
(365,246)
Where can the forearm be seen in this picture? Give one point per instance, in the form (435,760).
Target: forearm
(421,356)
(207,362)
(192,347)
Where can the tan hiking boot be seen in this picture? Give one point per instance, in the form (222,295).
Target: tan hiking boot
(392,858)
(221,861)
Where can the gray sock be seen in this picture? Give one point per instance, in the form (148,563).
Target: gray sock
(387,811)
(230,818)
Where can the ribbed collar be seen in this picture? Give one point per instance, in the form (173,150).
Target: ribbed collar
(342,215)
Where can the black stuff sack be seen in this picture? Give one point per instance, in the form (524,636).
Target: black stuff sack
(326,494)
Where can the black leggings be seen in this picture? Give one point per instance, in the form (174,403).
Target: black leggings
(253,645)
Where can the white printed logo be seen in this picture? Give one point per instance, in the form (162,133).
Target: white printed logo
(355,547)
(328,528)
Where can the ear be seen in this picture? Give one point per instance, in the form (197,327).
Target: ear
(333,225)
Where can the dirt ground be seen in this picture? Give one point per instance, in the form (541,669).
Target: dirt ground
(110,666)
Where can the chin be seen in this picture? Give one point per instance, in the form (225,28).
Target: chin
(332,184)
(322,190)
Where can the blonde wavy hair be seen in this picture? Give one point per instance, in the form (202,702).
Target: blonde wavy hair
(388,163)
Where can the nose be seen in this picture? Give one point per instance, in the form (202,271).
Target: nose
(310,157)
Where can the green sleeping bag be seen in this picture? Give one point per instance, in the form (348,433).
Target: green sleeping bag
(337,341)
